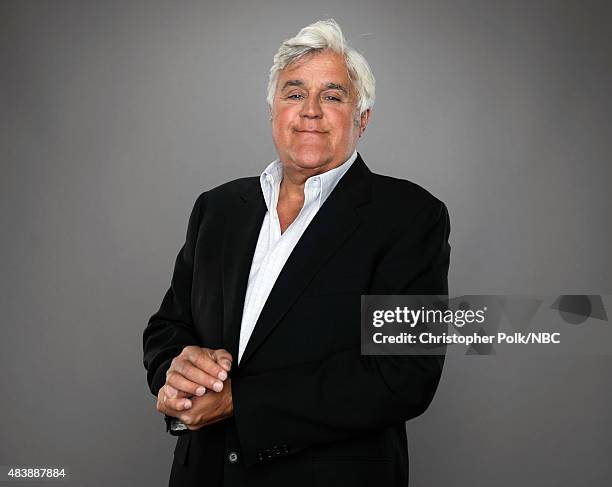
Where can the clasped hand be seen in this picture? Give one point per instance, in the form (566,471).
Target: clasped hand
(197,390)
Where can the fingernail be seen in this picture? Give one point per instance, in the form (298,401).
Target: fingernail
(200,391)
(223,375)
(217,386)
(187,404)
(227,364)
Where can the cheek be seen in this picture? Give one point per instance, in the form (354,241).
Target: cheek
(345,131)
(283,121)
(344,121)
(279,125)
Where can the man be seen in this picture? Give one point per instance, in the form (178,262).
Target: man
(256,346)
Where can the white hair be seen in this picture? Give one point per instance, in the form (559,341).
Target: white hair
(317,37)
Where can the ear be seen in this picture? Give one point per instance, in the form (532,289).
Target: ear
(363,122)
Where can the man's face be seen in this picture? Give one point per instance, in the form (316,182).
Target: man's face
(315,120)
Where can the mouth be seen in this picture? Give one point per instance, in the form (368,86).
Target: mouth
(310,132)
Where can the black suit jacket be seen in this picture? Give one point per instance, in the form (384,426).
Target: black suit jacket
(308,408)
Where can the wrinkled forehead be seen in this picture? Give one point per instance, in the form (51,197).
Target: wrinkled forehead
(325,67)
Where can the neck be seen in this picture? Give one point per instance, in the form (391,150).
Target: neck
(295,176)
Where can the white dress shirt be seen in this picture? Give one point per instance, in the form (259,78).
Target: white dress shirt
(273,248)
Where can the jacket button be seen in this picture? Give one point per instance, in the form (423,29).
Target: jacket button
(232,457)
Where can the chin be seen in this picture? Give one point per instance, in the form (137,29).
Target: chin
(310,158)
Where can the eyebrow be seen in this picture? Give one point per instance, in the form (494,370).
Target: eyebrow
(329,86)
(336,86)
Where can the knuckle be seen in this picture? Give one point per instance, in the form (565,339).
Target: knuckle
(172,365)
(201,362)
(188,372)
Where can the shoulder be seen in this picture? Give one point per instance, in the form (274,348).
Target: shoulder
(228,192)
(407,210)
(401,193)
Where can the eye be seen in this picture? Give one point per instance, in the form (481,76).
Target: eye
(295,96)
(332,98)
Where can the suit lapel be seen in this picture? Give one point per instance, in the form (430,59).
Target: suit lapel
(331,226)
(240,240)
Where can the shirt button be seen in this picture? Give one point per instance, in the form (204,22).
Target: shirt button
(232,457)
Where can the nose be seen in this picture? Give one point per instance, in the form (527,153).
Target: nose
(311,108)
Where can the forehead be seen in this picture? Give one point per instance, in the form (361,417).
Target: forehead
(318,68)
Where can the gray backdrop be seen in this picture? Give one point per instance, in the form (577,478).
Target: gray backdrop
(116,115)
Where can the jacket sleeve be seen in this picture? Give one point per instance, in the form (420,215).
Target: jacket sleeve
(347,394)
(171,329)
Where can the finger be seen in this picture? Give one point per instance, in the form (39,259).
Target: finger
(182,384)
(171,406)
(223,358)
(172,392)
(204,361)
(200,377)
(175,404)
